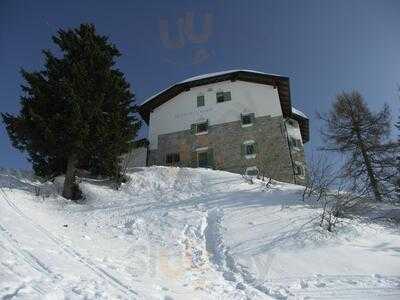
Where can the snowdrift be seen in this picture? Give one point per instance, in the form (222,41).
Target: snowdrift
(180,233)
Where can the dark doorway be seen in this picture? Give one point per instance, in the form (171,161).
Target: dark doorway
(202,158)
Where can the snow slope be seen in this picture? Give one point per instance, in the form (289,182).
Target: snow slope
(177,233)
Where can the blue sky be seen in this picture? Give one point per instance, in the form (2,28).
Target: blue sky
(325,47)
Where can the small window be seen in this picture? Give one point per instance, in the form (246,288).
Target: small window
(247,119)
(291,122)
(202,127)
(199,128)
(200,101)
(172,158)
(298,169)
(252,171)
(295,142)
(223,96)
(202,159)
(250,149)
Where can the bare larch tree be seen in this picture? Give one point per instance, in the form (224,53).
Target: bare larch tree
(352,129)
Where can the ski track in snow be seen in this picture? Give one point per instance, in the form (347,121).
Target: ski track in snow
(99,271)
(30,259)
(211,236)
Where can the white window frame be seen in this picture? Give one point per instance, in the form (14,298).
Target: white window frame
(201,149)
(249,156)
(253,168)
(249,142)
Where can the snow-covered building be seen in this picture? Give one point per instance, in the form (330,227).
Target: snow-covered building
(239,120)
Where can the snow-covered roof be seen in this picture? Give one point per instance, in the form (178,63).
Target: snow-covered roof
(204,76)
(299,112)
(223,73)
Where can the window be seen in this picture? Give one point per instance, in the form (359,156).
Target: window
(220,97)
(291,122)
(202,127)
(252,171)
(202,159)
(247,119)
(298,169)
(223,96)
(200,101)
(249,149)
(295,142)
(199,128)
(172,158)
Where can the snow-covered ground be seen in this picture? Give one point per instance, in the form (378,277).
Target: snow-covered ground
(177,233)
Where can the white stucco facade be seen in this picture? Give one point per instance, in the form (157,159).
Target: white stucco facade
(181,111)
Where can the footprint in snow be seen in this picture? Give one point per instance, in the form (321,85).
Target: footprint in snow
(303,284)
(352,282)
(320,284)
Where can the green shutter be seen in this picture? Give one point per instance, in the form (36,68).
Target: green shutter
(194,159)
(210,158)
(193,128)
(227,96)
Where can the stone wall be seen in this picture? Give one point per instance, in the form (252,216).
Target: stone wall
(297,152)
(225,140)
(298,155)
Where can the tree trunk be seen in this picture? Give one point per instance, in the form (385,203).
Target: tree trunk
(70,187)
(370,172)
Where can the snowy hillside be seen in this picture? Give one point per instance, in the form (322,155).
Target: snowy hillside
(174,233)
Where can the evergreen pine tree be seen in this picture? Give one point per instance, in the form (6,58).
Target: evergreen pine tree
(78,112)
